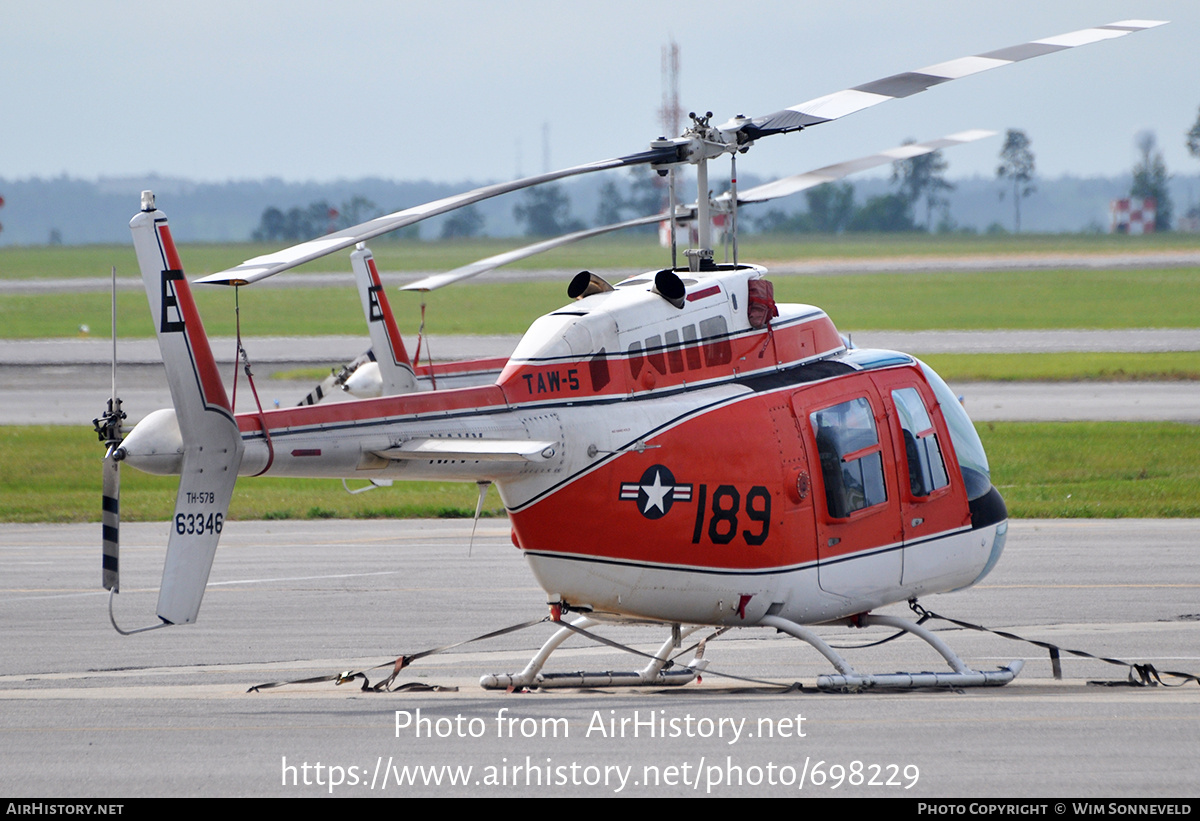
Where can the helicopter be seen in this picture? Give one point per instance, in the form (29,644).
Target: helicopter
(676,448)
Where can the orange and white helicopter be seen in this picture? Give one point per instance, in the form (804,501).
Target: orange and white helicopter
(677,448)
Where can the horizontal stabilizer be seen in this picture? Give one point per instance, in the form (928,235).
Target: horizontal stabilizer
(473,450)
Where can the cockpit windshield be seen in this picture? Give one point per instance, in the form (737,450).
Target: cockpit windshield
(969,449)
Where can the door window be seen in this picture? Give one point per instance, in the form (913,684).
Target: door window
(851,458)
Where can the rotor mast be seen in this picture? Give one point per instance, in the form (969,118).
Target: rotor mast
(699,144)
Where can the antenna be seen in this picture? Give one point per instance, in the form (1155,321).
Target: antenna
(670,114)
(114,336)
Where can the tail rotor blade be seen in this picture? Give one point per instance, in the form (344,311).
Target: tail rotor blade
(111,521)
(108,428)
(323,389)
(337,379)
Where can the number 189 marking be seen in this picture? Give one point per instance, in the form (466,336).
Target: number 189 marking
(726,505)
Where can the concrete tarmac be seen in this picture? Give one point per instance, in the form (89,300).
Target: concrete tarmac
(89,713)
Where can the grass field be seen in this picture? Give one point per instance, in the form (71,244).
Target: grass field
(1165,298)
(1102,469)
(951,300)
(615,251)
(54,476)
(1095,469)
(1066,367)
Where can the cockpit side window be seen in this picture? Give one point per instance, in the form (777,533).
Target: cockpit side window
(926,468)
(851,457)
(968,450)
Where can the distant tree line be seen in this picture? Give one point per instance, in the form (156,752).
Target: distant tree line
(545,211)
(920,183)
(318,218)
(295,224)
(644,194)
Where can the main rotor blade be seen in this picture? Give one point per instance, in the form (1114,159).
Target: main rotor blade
(761,193)
(432,283)
(820,110)
(819,176)
(259,268)
(848,101)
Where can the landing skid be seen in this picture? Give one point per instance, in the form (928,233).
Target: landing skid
(652,674)
(849,679)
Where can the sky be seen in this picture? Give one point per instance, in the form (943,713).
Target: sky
(461,90)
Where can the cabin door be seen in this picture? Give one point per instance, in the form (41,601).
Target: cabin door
(859,537)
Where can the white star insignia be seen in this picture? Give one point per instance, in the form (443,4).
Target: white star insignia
(655,494)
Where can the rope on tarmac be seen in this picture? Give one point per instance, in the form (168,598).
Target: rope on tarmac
(398,664)
(1140,675)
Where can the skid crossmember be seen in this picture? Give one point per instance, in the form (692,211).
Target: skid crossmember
(652,674)
(849,679)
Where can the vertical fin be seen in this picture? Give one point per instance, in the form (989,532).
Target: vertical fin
(211,441)
(395,368)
